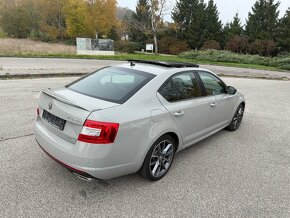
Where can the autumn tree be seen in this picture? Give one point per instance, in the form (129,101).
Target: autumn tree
(102,16)
(90,18)
(34,15)
(76,12)
(238,44)
(15,23)
(20,18)
(53,18)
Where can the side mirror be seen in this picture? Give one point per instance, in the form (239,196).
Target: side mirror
(231,90)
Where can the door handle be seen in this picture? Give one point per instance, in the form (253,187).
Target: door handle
(213,104)
(178,113)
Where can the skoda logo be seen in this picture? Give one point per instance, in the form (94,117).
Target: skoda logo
(50,106)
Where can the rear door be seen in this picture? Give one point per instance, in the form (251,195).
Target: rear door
(221,108)
(182,96)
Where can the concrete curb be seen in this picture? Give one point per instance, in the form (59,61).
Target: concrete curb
(255,77)
(42,75)
(51,75)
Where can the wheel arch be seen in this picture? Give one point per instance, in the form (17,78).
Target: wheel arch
(172,134)
(175,137)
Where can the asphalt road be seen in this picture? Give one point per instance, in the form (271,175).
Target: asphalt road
(18,66)
(241,174)
(32,66)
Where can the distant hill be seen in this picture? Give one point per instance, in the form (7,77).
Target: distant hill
(123,12)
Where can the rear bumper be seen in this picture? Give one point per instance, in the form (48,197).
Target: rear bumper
(97,161)
(71,169)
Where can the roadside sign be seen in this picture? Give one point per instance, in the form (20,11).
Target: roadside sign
(149,47)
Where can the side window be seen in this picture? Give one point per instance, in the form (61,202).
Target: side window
(212,85)
(180,87)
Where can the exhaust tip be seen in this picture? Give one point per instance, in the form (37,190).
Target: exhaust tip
(82,177)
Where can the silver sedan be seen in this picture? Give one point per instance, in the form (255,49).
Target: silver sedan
(134,118)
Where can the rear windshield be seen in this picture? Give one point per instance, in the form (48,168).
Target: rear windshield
(114,84)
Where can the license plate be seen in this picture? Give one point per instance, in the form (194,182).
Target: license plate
(53,120)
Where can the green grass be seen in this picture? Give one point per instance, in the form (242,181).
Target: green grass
(33,49)
(242,60)
(2,34)
(173,58)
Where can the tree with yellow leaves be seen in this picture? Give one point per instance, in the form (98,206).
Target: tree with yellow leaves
(86,18)
(58,19)
(76,13)
(102,15)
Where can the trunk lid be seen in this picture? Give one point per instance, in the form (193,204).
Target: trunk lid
(69,108)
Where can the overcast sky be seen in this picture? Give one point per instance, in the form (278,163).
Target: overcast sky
(227,8)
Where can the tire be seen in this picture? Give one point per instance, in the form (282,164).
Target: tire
(237,119)
(159,158)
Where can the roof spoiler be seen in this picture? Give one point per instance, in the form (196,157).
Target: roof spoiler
(163,63)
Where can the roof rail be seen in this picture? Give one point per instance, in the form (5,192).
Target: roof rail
(164,64)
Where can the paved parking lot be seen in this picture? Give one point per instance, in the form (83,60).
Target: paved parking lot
(240,174)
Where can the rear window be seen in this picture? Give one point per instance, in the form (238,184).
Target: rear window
(114,84)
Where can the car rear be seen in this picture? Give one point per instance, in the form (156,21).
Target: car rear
(68,131)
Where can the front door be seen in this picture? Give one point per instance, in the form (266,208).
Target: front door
(221,107)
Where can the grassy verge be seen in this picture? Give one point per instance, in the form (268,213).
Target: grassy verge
(23,47)
(33,49)
(231,58)
(173,58)
(2,34)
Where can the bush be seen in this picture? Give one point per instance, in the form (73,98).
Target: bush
(126,47)
(237,44)
(178,47)
(15,22)
(211,44)
(285,67)
(263,48)
(165,43)
(170,45)
(227,56)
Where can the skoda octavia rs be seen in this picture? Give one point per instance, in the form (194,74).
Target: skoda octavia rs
(134,118)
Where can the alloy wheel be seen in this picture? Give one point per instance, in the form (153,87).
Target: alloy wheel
(238,117)
(161,158)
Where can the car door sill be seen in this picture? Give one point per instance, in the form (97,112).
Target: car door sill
(203,137)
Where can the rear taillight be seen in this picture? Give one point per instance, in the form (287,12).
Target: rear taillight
(98,132)
(37,111)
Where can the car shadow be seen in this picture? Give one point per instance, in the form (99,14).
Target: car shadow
(80,189)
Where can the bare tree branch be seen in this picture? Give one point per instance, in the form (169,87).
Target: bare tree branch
(157,10)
